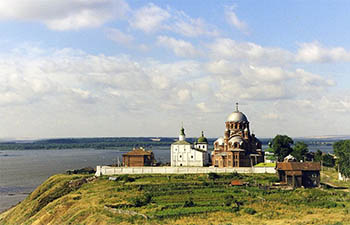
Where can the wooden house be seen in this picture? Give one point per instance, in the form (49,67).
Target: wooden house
(138,157)
(297,174)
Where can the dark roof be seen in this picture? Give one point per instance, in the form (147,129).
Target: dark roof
(301,166)
(138,151)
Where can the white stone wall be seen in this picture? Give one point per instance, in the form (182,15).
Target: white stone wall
(185,155)
(202,146)
(108,170)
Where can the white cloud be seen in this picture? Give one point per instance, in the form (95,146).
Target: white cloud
(119,36)
(232,19)
(179,47)
(272,116)
(149,18)
(242,51)
(64,14)
(191,27)
(78,87)
(311,81)
(184,95)
(315,52)
(256,83)
(152,18)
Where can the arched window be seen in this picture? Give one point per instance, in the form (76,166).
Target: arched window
(236,126)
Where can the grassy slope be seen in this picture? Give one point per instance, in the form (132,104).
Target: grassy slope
(57,202)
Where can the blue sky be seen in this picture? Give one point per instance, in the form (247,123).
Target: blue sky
(85,68)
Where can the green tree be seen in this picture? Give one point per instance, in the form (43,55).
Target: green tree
(318,155)
(300,150)
(281,145)
(342,151)
(328,160)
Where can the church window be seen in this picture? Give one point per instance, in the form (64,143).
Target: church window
(236,126)
(191,156)
(180,156)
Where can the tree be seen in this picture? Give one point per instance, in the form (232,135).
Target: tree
(342,151)
(318,155)
(328,160)
(281,146)
(300,150)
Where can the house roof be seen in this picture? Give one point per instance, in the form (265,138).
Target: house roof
(181,143)
(138,151)
(301,166)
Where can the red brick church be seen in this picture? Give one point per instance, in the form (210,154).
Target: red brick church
(238,148)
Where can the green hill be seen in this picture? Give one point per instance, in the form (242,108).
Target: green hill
(176,199)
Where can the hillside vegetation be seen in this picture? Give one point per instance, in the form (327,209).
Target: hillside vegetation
(176,199)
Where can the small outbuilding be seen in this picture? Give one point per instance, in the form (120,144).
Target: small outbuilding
(138,157)
(297,174)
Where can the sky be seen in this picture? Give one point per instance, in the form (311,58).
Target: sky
(109,68)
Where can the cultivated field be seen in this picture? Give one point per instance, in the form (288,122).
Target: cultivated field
(177,199)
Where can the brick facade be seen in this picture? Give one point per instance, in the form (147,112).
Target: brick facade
(238,148)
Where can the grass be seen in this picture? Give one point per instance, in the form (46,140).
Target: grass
(266,165)
(177,199)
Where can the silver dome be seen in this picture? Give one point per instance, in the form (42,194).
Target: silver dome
(237,117)
(220,140)
(236,139)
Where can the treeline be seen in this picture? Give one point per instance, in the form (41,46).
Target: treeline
(91,143)
(282,146)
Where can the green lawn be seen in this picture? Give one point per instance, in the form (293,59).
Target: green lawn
(266,165)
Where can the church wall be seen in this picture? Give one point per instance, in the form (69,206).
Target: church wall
(184,155)
(108,170)
(237,137)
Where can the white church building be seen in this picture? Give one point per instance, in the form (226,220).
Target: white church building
(183,153)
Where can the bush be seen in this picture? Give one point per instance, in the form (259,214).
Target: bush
(234,175)
(213,176)
(189,203)
(228,200)
(141,200)
(249,211)
(235,209)
(126,178)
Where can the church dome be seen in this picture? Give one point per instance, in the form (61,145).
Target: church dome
(220,141)
(202,139)
(237,116)
(236,139)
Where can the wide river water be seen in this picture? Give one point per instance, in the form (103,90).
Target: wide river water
(21,171)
